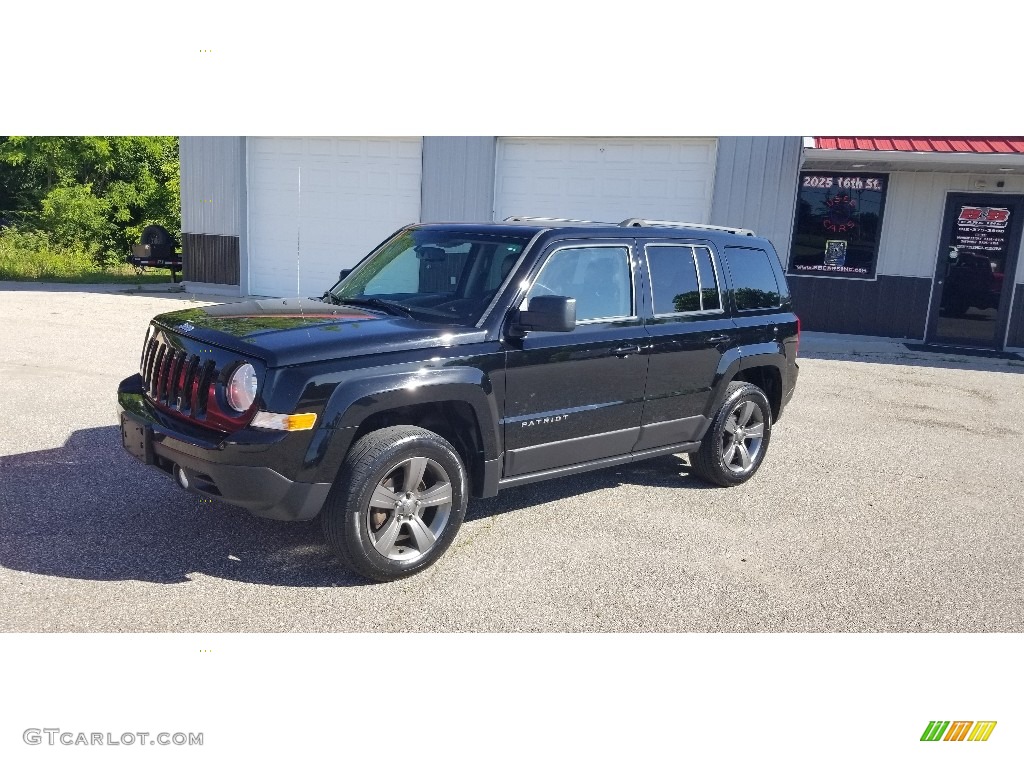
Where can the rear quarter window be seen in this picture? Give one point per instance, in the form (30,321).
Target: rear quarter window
(754,282)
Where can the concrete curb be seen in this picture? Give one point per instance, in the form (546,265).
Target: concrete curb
(27,285)
(836,346)
(158,290)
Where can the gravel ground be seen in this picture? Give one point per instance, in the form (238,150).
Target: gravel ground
(889,501)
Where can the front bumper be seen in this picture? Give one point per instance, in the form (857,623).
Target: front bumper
(214,466)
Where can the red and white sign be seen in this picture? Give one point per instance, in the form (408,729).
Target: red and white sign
(983,217)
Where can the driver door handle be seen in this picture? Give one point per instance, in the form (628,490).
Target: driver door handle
(627,350)
(721,339)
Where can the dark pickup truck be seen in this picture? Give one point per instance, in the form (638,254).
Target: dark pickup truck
(461,359)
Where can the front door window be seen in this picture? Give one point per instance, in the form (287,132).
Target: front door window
(599,278)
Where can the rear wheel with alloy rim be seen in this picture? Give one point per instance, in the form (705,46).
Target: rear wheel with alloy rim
(397,503)
(735,443)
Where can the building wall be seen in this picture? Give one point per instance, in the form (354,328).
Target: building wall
(458,178)
(896,304)
(889,306)
(756,185)
(213,199)
(212,184)
(755,182)
(912,223)
(911,235)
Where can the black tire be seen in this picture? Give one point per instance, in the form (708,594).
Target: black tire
(712,461)
(154,234)
(379,463)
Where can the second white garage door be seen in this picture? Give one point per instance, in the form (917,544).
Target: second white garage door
(605,179)
(318,205)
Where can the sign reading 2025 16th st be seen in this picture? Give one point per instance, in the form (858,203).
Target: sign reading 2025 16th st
(838,224)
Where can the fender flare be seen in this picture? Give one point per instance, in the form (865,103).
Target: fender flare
(766,355)
(354,401)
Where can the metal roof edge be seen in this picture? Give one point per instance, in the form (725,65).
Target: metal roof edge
(933,158)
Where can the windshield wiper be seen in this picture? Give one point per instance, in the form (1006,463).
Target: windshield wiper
(392,307)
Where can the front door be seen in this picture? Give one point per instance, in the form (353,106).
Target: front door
(576,397)
(976,264)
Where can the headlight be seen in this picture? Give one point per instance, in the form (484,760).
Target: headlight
(242,388)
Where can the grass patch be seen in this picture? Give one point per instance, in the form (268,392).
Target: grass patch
(31,256)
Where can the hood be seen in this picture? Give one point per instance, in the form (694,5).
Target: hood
(289,331)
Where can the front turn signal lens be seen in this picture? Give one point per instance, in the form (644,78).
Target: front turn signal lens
(294,422)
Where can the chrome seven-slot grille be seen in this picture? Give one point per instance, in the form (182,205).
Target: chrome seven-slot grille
(175,379)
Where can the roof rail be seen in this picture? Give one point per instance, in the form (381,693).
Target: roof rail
(687,224)
(549,218)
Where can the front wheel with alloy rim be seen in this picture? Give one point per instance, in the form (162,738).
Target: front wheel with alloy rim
(735,443)
(397,503)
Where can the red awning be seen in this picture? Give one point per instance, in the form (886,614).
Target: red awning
(973,144)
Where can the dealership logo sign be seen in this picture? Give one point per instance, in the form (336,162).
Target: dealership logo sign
(958,730)
(987,218)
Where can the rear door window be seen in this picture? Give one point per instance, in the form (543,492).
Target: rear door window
(683,279)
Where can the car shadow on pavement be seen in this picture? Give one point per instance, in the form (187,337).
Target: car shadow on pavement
(670,471)
(87,510)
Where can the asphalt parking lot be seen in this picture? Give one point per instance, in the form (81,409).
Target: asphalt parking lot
(890,500)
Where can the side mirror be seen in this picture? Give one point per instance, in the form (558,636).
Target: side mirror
(548,313)
(344,273)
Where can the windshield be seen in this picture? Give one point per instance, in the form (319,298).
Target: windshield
(434,275)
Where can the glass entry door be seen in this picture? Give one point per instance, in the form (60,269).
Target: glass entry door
(975,271)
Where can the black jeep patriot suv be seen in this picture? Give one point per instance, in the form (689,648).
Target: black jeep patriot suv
(461,359)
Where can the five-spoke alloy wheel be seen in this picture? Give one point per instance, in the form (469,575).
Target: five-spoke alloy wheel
(742,436)
(734,445)
(397,503)
(409,509)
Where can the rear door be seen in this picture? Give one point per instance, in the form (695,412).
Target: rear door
(689,332)
(577,397)
(760,296)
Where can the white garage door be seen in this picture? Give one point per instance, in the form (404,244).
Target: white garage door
(354,193)
(605,179)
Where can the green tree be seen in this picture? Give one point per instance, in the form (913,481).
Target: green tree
(94,192)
